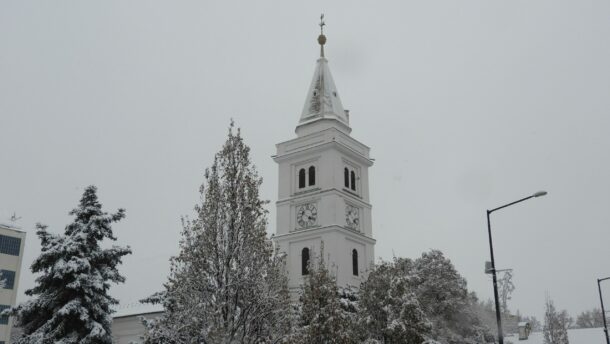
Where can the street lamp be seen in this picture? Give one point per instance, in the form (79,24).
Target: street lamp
(599,280)
(493,264)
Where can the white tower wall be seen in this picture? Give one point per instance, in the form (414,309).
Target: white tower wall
(327,212)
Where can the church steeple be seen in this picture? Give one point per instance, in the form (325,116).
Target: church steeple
(322,105)
(323,189)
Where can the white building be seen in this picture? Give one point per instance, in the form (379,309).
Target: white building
(323,193)
(127,326)
(12,242)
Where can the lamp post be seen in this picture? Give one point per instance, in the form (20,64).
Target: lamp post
(493,263)
(601,300)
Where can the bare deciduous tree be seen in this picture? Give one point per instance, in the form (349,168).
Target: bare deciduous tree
(505,289)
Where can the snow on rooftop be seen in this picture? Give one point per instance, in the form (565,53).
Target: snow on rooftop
(136,308)
(5,225)
(11,227)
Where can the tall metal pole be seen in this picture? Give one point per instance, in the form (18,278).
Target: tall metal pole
(495,281)
(601,300)
(493,262)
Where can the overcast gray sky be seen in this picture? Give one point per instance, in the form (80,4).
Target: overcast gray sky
(466,105)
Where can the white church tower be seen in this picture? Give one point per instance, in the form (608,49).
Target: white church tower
(323,194)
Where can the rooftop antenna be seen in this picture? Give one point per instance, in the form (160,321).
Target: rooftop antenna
(14,218)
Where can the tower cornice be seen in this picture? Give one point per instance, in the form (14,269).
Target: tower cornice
(296,198)
(318,231)
(322,140)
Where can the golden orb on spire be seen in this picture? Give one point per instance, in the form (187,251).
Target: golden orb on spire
(322,39)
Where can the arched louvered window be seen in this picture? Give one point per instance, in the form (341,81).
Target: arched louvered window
(353,178)
(355,262)
(346,177)
(312,175)
(305,261)
(301,178)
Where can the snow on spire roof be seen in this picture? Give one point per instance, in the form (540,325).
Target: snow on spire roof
(322,101)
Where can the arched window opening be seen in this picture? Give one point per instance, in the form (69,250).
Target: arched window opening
(305,261)
(346,177)
(355,262)
(353,175)
(301,178)
(312,175)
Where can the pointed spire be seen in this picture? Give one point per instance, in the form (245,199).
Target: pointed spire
(322,101)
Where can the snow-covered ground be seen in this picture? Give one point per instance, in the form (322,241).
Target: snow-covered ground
(580,336)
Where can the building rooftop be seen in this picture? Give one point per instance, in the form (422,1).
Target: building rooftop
(11,227)
(136,308)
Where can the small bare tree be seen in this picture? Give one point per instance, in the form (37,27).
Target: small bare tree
(506,288)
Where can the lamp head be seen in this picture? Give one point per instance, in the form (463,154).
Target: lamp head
(539,194)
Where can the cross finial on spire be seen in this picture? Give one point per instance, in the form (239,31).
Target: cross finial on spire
(322,24)
(322,38)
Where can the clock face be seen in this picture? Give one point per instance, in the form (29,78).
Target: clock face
(352,217)
(307,215)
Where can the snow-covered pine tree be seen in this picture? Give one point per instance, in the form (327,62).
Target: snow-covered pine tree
(555,327)
(349,302)
(70,301)
(389,310)
(227,284)
(322,317)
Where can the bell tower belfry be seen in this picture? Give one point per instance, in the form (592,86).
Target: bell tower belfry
(323,193)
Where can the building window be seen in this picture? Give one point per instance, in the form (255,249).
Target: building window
(8,277)
(305,261)
(346,177)
(312,175)
(10,245)
(4,319)
(353,179)
(355,262)
(301,178)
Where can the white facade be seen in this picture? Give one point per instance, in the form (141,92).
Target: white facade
(323,193)
(12,242)
(128,328)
